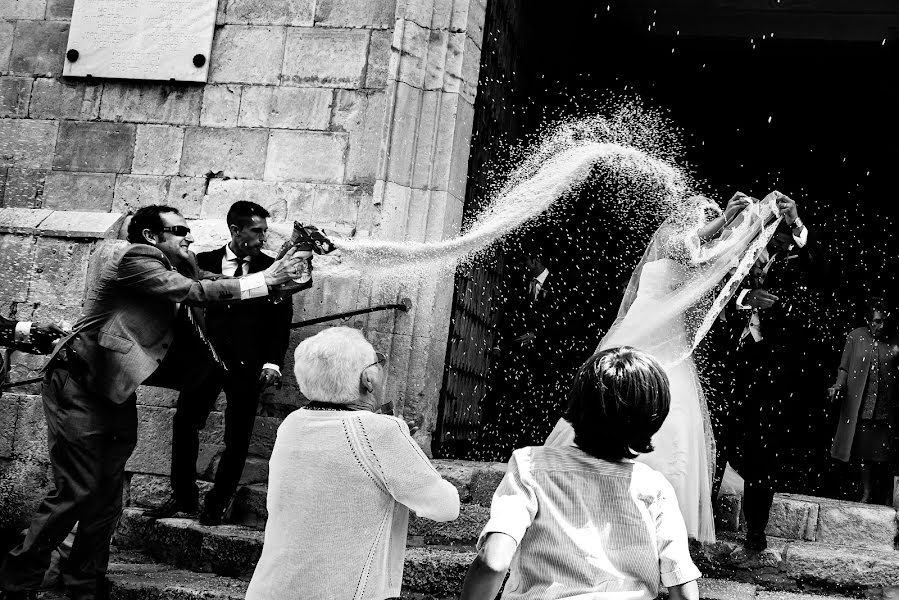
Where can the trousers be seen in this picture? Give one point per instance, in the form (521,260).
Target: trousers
(90,439)
(242,391)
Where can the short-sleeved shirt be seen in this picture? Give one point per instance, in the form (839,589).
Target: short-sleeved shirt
(588,528)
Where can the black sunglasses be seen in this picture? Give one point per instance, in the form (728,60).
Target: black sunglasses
(179,230)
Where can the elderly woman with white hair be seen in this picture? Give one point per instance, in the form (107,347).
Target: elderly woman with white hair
(341,482)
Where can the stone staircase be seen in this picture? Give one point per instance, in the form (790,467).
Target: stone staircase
(817,546)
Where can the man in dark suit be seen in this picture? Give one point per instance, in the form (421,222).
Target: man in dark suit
(140,324)
(775,370)
(251,338)
(25,336)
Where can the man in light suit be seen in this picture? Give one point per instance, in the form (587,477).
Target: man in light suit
(139,325)
(251,338)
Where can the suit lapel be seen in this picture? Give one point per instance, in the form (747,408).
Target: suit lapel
(211,261)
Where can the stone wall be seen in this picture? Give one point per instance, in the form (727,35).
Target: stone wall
(354,115)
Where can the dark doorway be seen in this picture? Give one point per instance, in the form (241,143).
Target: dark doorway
(809,111)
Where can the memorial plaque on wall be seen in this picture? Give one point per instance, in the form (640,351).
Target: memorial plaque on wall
(141,39)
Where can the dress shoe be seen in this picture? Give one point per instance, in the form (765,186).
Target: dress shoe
(170,508)
(756,541)
(211,516)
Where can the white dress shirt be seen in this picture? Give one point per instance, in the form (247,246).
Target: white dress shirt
(541,278)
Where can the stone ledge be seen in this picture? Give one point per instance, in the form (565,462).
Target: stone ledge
(22,220)
(142,581)
(60,223)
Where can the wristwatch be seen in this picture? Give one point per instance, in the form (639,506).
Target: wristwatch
(797,224)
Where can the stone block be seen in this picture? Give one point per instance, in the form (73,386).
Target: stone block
(471,68)
(66,190)
(286,108)
(485,481)
(436,572)
(860,525)
(60,271)
(722,589)
(350,13)
(247,55)
(306,156)
(463,531)
(299,198)
(148,491)
(793,518)
(136,191)
(157,150)
(15,93)
(186,194)
(227,549)
(30,441)
(221,194)
(264,433)
(412,52)
(841,565)
(7,28)
(16,260)
(338,204)
(248,507)
(27,143)
(156,396)
(39,47)
(474,15)
(54,98)
(96,147)
(21,220)
(24,188)
(9,414)
(378,59)
(296,13)
(237,153)
(325,57)
(173,104)
(59,10)
(221,104)
(22,9)
(153,453)
(141,582)
(361,114)
(74,224)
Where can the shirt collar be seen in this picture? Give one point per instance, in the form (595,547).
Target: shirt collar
(542,276)
(229,255)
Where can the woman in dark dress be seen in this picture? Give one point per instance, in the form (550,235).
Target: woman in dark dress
(866,382)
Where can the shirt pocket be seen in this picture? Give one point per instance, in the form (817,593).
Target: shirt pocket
(114,342)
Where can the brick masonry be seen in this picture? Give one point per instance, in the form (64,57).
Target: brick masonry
(294,116)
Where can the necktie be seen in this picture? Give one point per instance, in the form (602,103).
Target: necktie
(239,271)
(186,315)
(532,288)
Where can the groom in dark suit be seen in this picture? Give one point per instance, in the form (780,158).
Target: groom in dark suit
(251,338)
(774,330)
(141,324)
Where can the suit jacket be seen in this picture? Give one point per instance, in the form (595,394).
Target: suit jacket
(128,323)
(251,333)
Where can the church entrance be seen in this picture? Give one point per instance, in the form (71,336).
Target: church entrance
(794,96)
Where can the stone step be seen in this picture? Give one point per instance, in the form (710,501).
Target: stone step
(232,551)
(159,582)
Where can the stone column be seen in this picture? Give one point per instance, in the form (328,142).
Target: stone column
(420,185)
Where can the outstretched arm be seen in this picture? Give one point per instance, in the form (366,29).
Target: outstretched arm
(737,203)
(487,570)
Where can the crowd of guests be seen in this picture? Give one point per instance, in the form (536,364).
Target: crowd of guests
(144,320)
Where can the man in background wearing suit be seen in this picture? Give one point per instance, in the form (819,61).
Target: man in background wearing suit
(140,324)
(251,338)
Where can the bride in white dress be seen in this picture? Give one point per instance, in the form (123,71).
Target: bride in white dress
(691,268)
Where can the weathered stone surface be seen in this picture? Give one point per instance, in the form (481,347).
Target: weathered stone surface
(16,259)
(148,490)
(27,143)
(60,269)
(306,156)
(463,531)
(286,108)
(274,12)
(236,152)
(221,104)
(66,190)
(721,589)
(174,104)
(38,47)
(22,9)
(15,93)
(186,194)
(485,481)
(839,565)
(59,10)
(135,191)
(766,595)
(30,441)
(227,549)
(221,194)
(131,582)
(852,524)
(435,571)
(349,13)
(153,453)
(793,518)
(6,36)
(21,220)
(67,223)
(247,55)
(338,204)
(157,150)
(264,433)
(361,114)
(96,147)
(378,59)
(54,98)
(325,57)
(156,396)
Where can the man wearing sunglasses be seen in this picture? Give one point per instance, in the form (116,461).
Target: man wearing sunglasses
(141,323)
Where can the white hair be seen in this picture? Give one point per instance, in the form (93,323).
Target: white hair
(328,364)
